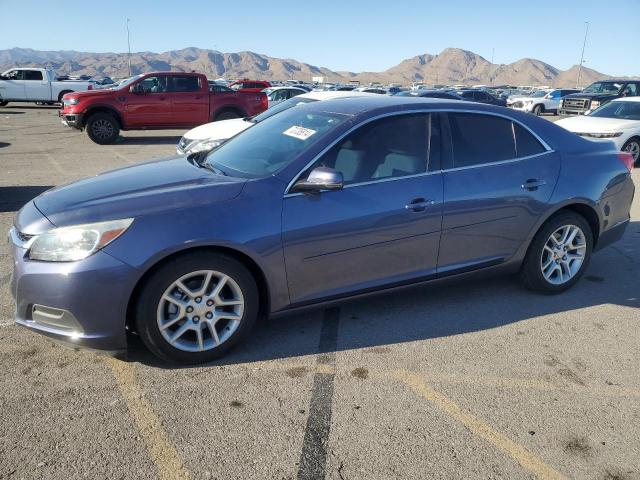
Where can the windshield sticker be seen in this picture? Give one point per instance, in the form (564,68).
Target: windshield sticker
(300,133)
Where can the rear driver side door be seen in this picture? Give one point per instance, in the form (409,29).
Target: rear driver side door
(497,181)
(383,227)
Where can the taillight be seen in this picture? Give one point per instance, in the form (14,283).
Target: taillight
(90,87)
(627,159)
(264,102)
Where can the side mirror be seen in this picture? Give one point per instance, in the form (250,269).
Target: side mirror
(320,178)
(137,89)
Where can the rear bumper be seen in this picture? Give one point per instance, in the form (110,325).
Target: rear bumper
(72,120)
(571,112)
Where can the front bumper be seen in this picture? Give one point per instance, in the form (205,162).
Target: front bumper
(82,304)
(71,120)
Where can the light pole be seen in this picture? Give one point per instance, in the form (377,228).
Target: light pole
(582,55)
(129,46)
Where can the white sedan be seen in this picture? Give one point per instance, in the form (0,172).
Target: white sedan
(211,135)
(617,121)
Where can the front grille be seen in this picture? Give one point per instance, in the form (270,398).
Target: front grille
(576,103)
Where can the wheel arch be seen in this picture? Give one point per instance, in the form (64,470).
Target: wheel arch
(581,207)
(246,260)
(228,107)
(104,109)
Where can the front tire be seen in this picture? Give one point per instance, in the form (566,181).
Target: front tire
(559,254)
(632,146)
(3,103)
(195,308)
(538,110)
(102,128)
(228,115)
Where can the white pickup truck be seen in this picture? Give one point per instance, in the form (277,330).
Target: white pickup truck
(36,85)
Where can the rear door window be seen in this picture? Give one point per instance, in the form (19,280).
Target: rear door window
(479,139)
(187,83)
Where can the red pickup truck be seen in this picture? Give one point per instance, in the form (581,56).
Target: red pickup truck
(159,100)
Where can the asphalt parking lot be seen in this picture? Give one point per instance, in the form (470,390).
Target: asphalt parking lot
(474,380)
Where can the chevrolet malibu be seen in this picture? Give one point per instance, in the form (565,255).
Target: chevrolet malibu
(326,201)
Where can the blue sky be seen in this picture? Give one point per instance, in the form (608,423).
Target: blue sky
(347,35)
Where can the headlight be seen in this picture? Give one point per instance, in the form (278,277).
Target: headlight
(604,135)
(202,145)
(69,244)
(70,101)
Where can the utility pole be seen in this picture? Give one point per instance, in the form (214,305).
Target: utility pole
(129,46)
(582,55)
(493,51)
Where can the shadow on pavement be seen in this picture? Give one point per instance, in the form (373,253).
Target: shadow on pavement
(436,311)
(13,198)
(159,140)
(4,144)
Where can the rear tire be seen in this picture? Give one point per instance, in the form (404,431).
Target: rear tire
(228,115)
(551,268)
(103,128)
(181,294)
(62,94)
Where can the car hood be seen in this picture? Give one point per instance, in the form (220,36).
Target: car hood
(99,92)
(220,130)
(588,124)
(172,183)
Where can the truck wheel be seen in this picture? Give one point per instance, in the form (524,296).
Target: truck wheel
(3,103)
(538,110)
(102,128)
(228,115)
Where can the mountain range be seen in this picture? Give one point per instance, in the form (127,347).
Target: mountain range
(451,66)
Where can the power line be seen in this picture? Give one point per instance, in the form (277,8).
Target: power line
(582,55)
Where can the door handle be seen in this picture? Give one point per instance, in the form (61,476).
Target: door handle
(419,204)
(532,184)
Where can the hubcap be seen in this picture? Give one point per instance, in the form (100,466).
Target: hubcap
(563,254)
(102,129)
(200,310)
(634,149)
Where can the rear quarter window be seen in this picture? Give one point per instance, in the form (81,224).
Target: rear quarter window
(526,144)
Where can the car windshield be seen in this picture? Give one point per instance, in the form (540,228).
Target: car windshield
(538,94)
(603,87)
(128,81)
(280,107)
(622,110)
(270,145)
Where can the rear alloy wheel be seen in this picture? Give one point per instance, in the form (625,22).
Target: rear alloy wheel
(633,147)
(559,254)
(195,309)
(102,128)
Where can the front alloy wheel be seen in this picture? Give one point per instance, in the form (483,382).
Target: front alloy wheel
(633,147)
(200,311)
(196,306)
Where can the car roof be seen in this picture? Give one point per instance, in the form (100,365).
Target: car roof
(372,104)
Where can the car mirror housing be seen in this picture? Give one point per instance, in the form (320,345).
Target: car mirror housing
(320,178)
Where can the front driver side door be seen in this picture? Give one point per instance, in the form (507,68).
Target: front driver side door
(12,86)
(383,227)
(151,105)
